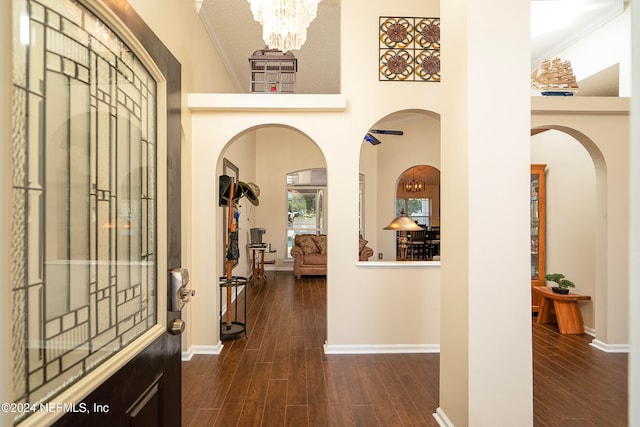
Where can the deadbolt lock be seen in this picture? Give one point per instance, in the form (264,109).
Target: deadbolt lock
(177,327)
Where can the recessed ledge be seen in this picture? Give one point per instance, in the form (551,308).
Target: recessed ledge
(398,264)
(265,102)
(580,104)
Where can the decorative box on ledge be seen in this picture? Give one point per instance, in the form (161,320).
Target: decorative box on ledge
(272,71)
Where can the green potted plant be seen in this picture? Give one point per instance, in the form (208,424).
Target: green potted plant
(563,283)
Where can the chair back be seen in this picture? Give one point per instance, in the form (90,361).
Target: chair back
(417,236)
(432,235)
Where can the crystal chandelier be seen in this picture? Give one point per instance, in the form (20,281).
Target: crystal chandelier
(284,22)
(413,185)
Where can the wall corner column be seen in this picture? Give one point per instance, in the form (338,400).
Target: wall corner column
(634,235)
(485,365)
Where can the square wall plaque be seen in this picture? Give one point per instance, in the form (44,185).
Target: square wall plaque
(409,49)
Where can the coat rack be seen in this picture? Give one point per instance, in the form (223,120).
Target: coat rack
(231,326)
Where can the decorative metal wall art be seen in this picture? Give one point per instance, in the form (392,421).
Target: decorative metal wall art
(409,49)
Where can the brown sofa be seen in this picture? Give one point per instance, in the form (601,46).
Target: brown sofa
(309,252)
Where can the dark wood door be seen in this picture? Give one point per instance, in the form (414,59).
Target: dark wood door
(147,390)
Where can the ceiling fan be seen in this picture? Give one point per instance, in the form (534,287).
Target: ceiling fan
(375,141)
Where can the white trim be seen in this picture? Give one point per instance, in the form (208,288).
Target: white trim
(380,349)
(202,349)
(398,264)
(589,331)
(442,419)
(186,356)
(279,267)
(265,102)
(610,348)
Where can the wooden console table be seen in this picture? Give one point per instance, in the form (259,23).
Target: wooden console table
(561,309)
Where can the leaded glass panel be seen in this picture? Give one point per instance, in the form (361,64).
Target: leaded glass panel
(83,238)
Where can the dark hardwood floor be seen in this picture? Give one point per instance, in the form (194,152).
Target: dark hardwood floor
(575,384)
(280,376)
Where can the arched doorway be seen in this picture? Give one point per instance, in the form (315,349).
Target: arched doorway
(575,210)
(265,155)
(418,197)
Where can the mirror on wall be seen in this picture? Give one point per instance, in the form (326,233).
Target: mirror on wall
(231,170)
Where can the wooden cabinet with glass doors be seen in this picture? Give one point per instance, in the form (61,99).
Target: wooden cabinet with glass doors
(538,228)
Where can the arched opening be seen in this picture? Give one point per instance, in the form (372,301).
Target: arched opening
(382,166)
(576,229)
(418,197)
(265,155)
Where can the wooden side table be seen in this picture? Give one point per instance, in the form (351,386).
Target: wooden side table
(561,309)
(258,261)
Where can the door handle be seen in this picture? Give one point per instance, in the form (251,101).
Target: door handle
(176,327)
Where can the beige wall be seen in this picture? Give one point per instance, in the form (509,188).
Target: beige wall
(178,25)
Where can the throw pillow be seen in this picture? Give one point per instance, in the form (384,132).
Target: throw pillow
(363,243)
(307,244)
(321,243)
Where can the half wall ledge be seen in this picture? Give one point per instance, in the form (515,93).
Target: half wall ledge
(580,104)
(398,264)
(265,102)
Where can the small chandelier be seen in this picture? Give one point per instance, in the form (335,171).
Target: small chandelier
(284,22)
(413,185)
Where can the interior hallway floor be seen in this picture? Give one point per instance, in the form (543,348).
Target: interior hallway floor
(280,376)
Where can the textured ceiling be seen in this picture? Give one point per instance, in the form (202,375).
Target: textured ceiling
(237,35)
(556,24)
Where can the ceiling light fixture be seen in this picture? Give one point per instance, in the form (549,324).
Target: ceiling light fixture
(413,185)
(284,22)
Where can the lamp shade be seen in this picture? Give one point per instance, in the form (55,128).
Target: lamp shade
(404,223)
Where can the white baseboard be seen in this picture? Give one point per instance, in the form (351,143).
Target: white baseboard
(590,331)
(442,419)
(271,267)
(201,349)
(611,348)
(381,349)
